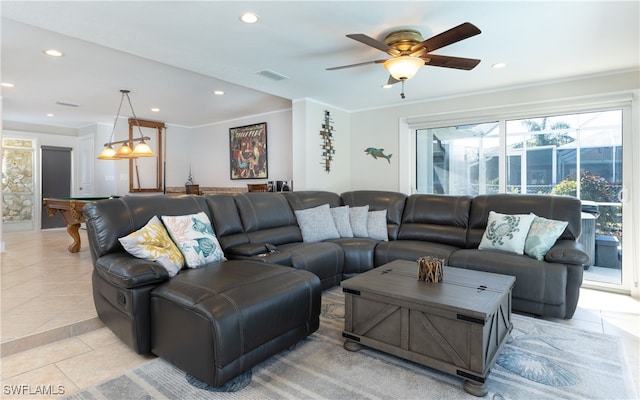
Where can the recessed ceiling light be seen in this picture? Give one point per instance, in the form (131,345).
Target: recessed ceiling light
(53,53)
(218,92)
(249,18)
(49,115)
(155,110)
(387,86)
(7,84)
(499,65)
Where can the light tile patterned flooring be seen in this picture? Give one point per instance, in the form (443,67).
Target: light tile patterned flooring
(53,341)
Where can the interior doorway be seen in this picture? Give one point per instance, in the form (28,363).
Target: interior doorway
(56,181)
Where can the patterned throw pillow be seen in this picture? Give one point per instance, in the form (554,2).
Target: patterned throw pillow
(341,219)
(152,242)
(316,224)
(195,238)
(506,232)
(377,225)
(542,236)
(358,217)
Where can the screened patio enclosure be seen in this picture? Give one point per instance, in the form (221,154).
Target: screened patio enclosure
(576,154)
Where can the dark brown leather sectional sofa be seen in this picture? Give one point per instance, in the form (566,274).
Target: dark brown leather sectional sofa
(269,267)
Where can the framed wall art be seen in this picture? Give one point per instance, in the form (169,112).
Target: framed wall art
(248,151)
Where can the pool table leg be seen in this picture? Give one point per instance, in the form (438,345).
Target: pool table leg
(73,229)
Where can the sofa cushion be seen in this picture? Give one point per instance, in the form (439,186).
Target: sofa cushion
(341,219)
(152,242)
(358,217)
(301,199)
(411,250)
(195,238)
(358,255)
(110,219)
(542,236)
(436,218)
(324,259)
(377,225)
(267,218)
(538,284)
(316,224)
(506,232)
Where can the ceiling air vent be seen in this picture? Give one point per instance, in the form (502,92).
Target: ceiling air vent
(274,76)
(66,104)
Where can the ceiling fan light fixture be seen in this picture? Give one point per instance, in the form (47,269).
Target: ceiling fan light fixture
(404,67)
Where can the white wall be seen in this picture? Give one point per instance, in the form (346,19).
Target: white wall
(209,156)
(388,127)
(104,172)
(179,145)
(309,172)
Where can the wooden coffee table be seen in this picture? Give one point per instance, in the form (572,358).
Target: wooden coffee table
(457,326)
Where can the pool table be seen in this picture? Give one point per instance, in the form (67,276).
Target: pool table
(71,210)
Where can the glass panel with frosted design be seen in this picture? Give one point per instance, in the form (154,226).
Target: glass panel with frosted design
(17,180)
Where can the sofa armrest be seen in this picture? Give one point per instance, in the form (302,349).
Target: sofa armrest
(127,271)
(567,251)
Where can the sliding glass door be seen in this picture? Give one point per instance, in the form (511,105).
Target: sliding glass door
(577,154)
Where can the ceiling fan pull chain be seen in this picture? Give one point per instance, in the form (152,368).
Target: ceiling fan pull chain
(402,94)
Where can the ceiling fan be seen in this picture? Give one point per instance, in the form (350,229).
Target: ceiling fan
(409,51)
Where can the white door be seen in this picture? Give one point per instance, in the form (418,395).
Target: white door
(84,173)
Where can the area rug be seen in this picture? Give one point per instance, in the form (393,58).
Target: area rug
(544,360)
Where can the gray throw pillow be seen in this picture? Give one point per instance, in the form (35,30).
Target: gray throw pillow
(316,224)
(377,225)
(358,217)
(341,219)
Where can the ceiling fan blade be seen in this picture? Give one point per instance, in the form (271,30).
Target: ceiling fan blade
(451,62)
(392,80)
(355,65)
(369,41)
(453,35)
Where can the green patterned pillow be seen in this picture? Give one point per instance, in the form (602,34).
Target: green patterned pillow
(152,242)
(195,238)
(542,236)
(506,232)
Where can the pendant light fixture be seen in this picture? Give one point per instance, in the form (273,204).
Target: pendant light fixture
(141,149)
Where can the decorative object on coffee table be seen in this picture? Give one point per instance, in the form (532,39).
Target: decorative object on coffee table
(430,269)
